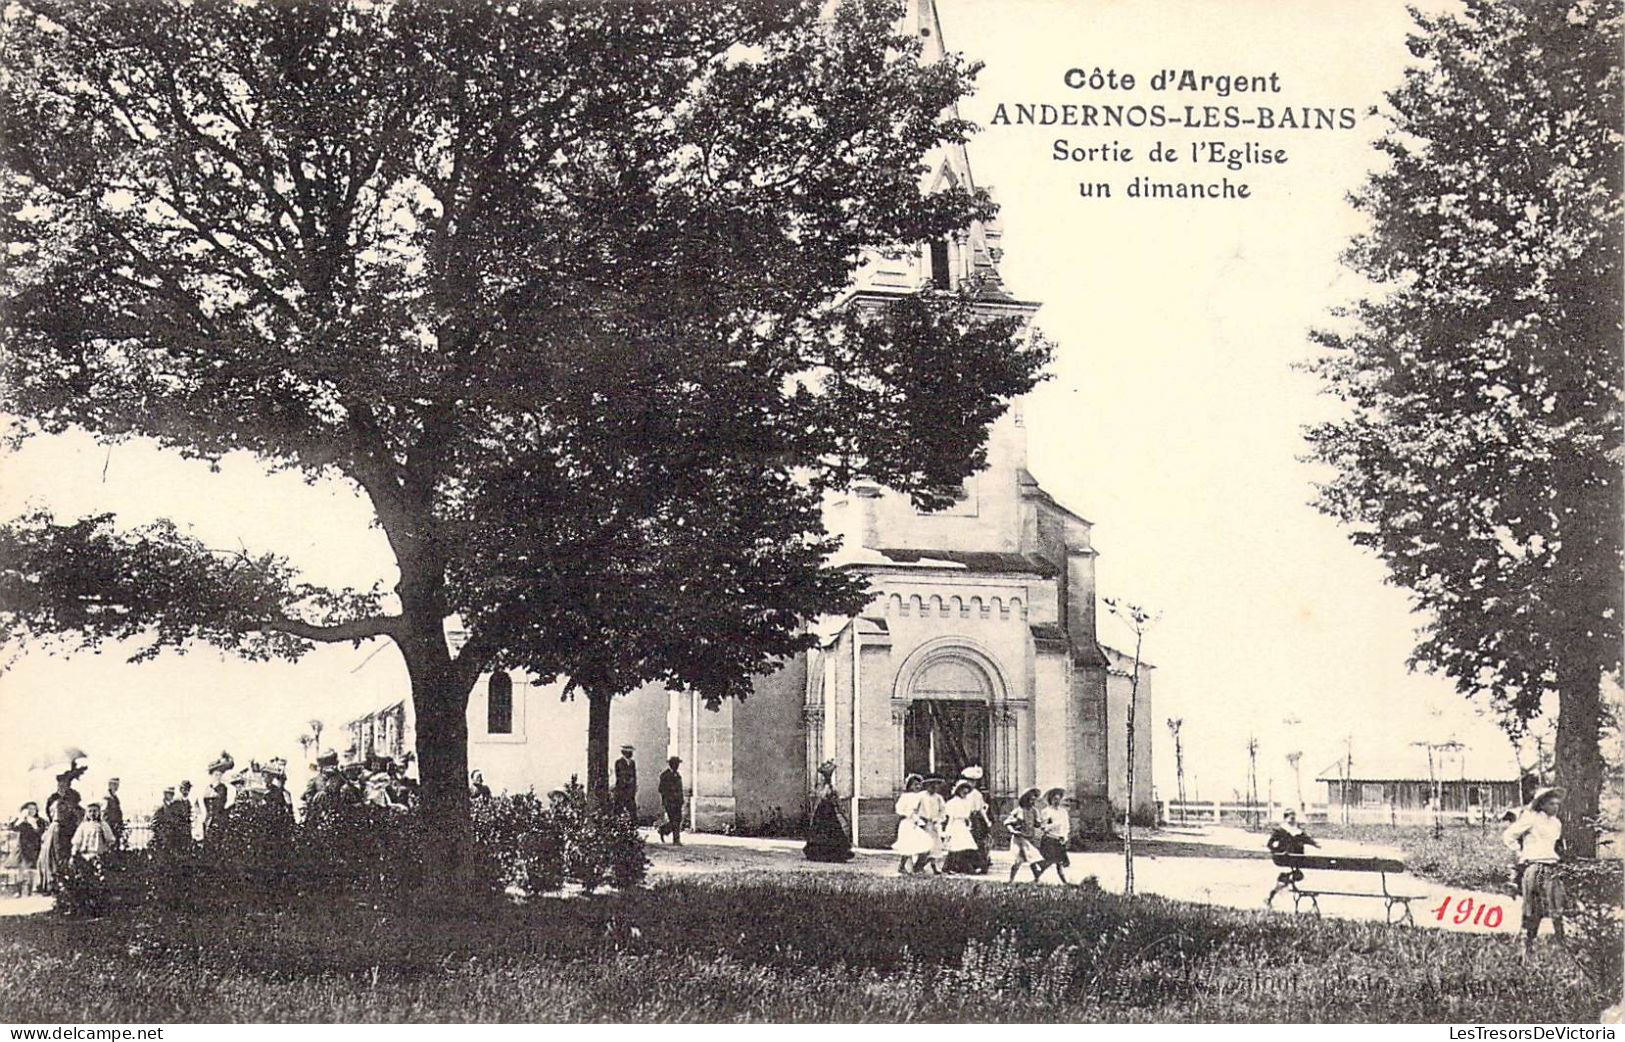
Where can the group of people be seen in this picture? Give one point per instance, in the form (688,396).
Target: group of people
(43,846)
(379,781)
(953,833)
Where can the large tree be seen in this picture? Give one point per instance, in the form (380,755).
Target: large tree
(1480,454)
(553,285)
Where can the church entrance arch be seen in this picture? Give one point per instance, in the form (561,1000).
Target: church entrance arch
(950,693)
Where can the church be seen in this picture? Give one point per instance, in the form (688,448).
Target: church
(978,647)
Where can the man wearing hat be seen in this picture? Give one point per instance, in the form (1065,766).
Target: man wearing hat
(626,785)
(1536,840)
(113,812)
(671,798)
(276,785)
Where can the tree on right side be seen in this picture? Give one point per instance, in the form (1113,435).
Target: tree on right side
(1479,455)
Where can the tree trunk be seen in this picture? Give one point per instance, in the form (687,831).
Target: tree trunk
(440,708)
(1578,756)
(598,749)
(442,744)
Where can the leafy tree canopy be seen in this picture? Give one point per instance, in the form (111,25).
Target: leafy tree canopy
(1480,454)
(555,285)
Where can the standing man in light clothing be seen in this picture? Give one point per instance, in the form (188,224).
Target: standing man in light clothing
(625,793)
(1536,839)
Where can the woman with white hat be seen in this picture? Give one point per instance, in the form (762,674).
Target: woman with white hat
(1536,839)
(981,825)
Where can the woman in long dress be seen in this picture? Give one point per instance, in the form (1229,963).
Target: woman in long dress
(958,837)
(913,841)
(827,836)
(55,844)
(981,823)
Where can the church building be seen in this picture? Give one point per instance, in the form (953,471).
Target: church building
(978,647)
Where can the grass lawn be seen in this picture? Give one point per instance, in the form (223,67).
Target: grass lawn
(775,946)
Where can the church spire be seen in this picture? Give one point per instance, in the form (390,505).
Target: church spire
(920,19)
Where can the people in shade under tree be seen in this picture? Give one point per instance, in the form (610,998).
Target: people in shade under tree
(828,837)
(113,812)
(477,789)
(215,798)
(671,801)
(625,795)
(94,838)
(22,864)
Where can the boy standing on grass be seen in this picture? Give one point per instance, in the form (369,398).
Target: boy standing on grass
(1535,839)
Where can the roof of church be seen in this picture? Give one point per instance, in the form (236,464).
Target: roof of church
(969,561)
(1031,487)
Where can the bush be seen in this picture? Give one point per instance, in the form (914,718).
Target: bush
(82,889)
(598,844)
(522,840)
(1593,919)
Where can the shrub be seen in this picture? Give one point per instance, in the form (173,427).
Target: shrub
(1594,918)
(522,840)
(82,889)
(598,844)
(348,846)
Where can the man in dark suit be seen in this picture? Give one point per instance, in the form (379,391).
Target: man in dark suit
(626,785)
(671,797)
(113,812)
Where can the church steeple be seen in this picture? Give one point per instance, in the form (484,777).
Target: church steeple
(968,260)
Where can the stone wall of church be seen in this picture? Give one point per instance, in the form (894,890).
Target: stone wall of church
(1119,684)
(548,741)
(769,749)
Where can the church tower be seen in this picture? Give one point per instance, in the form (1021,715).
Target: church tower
(978,648)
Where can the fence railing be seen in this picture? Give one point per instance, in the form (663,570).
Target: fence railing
(1198,812)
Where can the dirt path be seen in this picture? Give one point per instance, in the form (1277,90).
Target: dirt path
(1217,866)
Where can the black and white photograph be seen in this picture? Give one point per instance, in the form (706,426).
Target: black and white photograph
(1023,512)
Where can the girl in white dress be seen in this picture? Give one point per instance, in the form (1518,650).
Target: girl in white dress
(935,822)
(913,841)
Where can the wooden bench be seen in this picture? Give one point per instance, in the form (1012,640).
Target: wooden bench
(1396,907)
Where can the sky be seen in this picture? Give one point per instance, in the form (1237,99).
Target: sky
(1173,420)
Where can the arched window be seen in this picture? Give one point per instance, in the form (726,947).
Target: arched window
(499,704)
(941,278)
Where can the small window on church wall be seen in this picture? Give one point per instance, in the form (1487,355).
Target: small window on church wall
(499,704)
(939,264)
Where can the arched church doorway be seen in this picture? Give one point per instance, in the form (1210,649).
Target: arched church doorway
(948,726)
